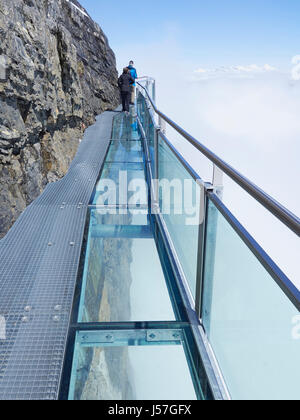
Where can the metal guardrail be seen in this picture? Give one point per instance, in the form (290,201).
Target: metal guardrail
(278,210)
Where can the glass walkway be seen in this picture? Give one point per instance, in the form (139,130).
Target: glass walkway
(130,279)
(133,339)
(175,300)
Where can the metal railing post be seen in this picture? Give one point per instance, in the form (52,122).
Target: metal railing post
(207,234)
(156,169)
(217,181)
(147,85)
(201,247)
(163,125)
(154,91)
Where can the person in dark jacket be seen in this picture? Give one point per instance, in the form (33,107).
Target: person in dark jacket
(125,82)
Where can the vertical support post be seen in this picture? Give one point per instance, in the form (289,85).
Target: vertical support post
(201,248)
(138,102)
(156,144)
(218,176)
(156,173)
(147,85)
(162,125)
(142,110)
(206,264)
(154,90)
(148,108)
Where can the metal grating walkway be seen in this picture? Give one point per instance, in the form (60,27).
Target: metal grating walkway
(39,259)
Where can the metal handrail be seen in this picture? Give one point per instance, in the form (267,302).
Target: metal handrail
(278,210)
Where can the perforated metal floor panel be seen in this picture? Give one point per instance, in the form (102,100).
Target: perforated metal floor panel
(39,259)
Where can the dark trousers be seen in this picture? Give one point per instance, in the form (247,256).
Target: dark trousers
(126,96)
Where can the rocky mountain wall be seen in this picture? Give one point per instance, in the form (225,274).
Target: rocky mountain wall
(57,72)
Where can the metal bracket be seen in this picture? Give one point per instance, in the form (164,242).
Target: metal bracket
(100,337)
(164,335)
(204,187)
(162,124)
(218,185)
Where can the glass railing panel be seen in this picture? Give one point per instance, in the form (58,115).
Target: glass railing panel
(179,197)
(251,324)
(141,109)
(132,365)
(125,151)
(123,279)
(151,140)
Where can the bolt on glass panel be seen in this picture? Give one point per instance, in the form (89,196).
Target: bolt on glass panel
(252,326)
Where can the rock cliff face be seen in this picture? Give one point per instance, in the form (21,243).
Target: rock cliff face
(57,72)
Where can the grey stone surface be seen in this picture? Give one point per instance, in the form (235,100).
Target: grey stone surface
(57,72)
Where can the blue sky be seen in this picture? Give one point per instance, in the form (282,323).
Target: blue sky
(211,33)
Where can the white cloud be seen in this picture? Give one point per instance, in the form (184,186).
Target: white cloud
(234,71)
(253,124)
(263,112)
(267,67)
(296,68)
(296,59)
(201,71)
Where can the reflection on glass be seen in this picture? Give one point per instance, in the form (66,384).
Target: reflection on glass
(121,183)
(123,277)
(125,151)
(150,133)
(129,365)
(125,128)
(248,319)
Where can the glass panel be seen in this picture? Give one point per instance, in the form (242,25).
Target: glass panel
(125,128)
(151,140)
(123,278)
(125,151)
(180,203)
(121,183)
(149,128)
(248,319)
(141,109)
(131,365)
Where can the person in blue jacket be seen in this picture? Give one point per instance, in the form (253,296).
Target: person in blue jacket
(134,76)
